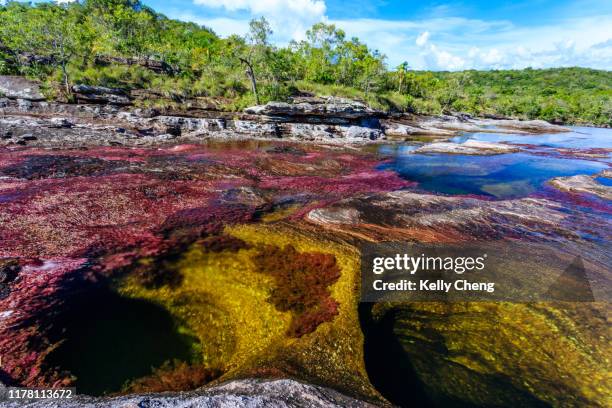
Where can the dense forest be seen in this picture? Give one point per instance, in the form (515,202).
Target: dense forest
(124,44)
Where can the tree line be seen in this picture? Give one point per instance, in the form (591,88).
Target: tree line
(125,44)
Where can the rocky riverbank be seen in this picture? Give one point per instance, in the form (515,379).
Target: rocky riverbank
(106,116)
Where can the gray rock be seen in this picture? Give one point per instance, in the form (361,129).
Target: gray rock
(308,131)
(582,184)
(359,132)
(254,128)
(472,147)
(531,126)
(331,107)
(249,393)
(24,105)
(100,94)
(445,125)
(16,87)
(190,124)
(60,123)
(402,130)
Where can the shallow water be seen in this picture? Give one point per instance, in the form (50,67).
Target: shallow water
(578,138)
(498,176)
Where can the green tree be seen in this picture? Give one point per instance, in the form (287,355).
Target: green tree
(401,72)
(258,37)
(53,32)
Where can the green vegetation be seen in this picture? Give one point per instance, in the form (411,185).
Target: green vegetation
(124,44)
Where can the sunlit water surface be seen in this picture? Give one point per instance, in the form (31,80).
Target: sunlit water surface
(499,176)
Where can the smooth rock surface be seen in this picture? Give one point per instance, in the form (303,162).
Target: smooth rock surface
(332,107)
(16,87)
(446,125)
(582,184)
(100,94)
(469,147)
(242,393)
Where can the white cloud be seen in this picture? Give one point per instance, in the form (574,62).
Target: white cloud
(446,43)
(422,38)
(289,18)
(222,26)
(438,59)
(311,7)
(457,43)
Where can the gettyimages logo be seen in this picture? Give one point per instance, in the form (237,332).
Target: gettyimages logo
(509,272)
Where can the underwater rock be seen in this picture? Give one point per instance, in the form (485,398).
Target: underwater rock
(254,393)
(100,212)
(9,269)
(405,215)
(485,354)
(469,147)
(582,184)
(302,281)
(52,166)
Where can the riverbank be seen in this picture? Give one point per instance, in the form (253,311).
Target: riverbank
(103,120)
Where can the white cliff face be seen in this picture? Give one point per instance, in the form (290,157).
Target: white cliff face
(250,393)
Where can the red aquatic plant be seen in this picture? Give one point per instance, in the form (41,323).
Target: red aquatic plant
(174,376)
(302,285)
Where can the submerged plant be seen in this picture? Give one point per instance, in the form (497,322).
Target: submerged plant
(175,376)
(302,285)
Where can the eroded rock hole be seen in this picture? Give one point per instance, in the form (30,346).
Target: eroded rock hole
(110,341)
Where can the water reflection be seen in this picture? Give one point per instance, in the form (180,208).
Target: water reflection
(578,138)
(498,176)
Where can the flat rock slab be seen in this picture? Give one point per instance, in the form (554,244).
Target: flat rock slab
(445,125)
(583,184)
(332,107)
(472,147)
(15,87)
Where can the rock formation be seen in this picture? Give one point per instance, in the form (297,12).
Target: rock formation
(16,87)
(582,184)
(469,147)
(249,392)
(100,94)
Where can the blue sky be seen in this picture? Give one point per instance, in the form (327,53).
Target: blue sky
(439,35)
